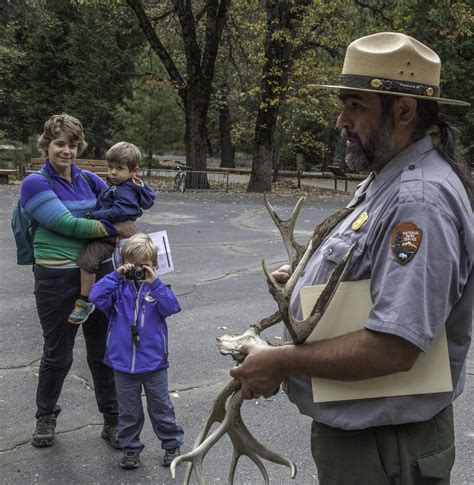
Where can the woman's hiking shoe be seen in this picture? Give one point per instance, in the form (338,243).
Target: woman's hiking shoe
(169,456)
(44,432)
(130,460)
(82,311)
(109,434)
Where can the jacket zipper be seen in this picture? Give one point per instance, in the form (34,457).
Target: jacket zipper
(143,315)
(134,347)
(135,322)
(165,347)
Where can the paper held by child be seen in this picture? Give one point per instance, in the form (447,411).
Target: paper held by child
(165,261)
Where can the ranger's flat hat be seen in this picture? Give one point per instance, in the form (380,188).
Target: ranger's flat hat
(392,63)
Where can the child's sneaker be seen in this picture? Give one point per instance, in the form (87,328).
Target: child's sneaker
(130,460)
(82,311)
(169,456)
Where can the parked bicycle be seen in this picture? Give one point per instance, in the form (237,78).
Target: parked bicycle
(180,180)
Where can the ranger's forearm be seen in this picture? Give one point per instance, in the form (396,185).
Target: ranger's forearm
(358,355)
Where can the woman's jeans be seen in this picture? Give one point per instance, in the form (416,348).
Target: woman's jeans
(56,291)
(160,409)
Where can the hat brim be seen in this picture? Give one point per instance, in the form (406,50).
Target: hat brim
(403,95)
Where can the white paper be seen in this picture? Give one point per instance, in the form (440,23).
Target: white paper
(165,261)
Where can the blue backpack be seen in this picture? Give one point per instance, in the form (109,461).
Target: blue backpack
(24,226)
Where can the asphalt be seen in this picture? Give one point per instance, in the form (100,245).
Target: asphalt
(218,242)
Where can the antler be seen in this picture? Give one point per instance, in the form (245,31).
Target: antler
(231,422)
(287,229)
(244,443)
(301,329)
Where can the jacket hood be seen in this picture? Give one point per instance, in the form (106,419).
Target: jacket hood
(145,195)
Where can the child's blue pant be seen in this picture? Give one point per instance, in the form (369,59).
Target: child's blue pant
(160,409)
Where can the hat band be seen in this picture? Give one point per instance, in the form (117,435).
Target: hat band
(389,85)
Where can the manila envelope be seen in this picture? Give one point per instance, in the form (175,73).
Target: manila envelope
(347,312)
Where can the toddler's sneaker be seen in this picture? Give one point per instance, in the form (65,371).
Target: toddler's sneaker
(130,460)
(82,311)
(169,456)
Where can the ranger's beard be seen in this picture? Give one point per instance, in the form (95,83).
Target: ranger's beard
(376,152)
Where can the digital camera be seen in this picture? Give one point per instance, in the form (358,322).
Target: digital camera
(137,273)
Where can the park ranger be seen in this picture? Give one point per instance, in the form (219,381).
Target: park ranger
(412,227)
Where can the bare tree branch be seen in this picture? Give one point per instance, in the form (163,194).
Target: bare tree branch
(378,9)
(158,47)
(216,16)
(192,51)
(162,16)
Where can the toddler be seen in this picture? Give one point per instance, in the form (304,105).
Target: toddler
(136,303)
(122,201)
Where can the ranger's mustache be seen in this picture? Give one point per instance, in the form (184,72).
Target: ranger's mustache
(347,134)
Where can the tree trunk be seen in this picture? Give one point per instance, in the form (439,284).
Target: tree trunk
(283,18)
(261,175)
(225,127)
(210,151)
(276,150)
(194,88)
(196,149)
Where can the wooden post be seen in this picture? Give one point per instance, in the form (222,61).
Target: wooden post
(300,166)
(300,163)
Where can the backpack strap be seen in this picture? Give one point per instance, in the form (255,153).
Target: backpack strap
(46,175)
(34,222)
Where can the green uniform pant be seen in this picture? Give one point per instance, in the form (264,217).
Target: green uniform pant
(407,454)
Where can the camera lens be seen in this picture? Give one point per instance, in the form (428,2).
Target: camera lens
(138,273)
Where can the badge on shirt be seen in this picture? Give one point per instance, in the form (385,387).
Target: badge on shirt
(406,239)
(149,298)
(360,221)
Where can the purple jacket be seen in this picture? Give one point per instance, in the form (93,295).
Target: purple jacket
(123,202)
(146,307)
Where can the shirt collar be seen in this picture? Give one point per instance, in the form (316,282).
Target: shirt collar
(393,168)
(75,170)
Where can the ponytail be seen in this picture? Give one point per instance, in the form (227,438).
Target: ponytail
(430,121)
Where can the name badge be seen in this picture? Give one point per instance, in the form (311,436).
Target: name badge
(360,221)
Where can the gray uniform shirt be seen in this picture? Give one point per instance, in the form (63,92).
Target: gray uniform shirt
(417,285)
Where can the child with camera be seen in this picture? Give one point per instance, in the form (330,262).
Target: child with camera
(136,303)
(123,200)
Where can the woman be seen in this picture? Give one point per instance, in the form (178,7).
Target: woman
(58,198)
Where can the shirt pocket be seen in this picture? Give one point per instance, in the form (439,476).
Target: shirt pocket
(332,252)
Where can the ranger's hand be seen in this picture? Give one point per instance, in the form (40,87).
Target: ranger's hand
(260,373)
(282,274)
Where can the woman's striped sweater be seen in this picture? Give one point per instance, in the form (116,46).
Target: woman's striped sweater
(59,207)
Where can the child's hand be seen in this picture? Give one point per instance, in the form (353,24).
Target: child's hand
(125,268)
(137,180)
(150,274)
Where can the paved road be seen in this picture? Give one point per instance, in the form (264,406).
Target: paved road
(218,242)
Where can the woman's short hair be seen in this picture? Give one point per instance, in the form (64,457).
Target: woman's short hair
(66,124)
(124,152)
(140,247)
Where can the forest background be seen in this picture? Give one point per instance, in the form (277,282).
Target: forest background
(209,78)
